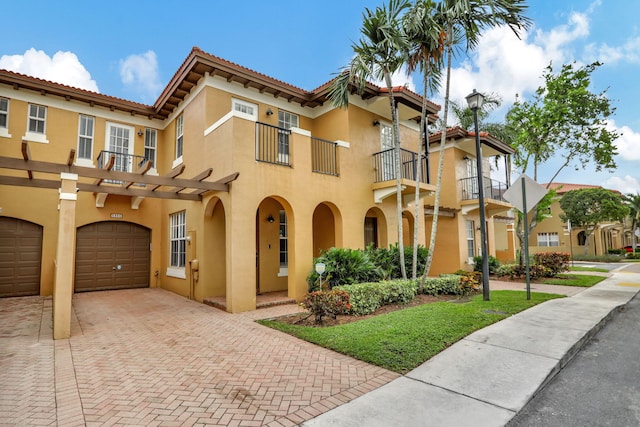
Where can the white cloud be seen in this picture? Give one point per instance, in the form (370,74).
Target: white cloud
(628,143)
(628,52)
(62,67)
(625,185)
(141,73)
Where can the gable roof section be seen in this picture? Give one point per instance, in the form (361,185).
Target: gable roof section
(194,67)
(562,188)
(487,139)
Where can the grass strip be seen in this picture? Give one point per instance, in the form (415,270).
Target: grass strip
(581,280)
(403,339)
(581,268)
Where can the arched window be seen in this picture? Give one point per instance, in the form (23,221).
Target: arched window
(582,238)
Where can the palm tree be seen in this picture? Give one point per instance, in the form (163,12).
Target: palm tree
(426,38)
(464,20)
(380,52)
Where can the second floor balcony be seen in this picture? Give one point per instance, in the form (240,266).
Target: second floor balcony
(385,184)
(493,194)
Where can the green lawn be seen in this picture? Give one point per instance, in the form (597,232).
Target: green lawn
(580,268)
(402,340)
(581,280)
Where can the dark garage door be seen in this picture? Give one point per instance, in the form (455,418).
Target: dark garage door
(20,257)
(112,255)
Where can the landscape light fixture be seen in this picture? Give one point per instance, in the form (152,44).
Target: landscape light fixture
(475,101)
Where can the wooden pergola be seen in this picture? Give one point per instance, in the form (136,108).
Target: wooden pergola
(106,181)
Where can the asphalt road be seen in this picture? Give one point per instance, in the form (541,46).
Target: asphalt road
(601,385)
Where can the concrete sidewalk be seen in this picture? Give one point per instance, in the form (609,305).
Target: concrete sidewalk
(486,378)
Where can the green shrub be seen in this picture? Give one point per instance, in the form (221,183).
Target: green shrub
(388,260)
(556,262)
(617,251)
(494,264)
(343,267)
(517,271)
(365,298)
(635,255)
(327,303)
(597,258)
(445,284)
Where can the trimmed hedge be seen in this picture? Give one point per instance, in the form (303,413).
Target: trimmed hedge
(556,262)
(365,298)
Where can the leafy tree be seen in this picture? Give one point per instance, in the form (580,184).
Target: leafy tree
(589,207)
(566,118)
(380,52)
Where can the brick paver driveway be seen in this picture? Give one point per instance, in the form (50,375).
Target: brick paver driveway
(150,357)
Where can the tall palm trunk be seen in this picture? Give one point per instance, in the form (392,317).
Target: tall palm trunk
(396,147)
(443,140)
(422,149)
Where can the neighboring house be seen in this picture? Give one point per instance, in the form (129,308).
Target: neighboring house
(552,234)
(458,237)
(226,187)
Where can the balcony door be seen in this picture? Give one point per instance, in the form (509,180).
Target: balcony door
(386,146)
(472,175)
(119,141)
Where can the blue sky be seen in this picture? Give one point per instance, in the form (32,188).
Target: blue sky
(132,49)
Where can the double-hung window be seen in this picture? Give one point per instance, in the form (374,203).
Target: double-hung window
(548,239)
(85,138)
(286,120)
(37,123)
(177,244)
(4,118)
(179,137)
(150,138)
(471,239)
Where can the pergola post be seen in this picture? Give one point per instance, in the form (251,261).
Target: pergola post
(65,254)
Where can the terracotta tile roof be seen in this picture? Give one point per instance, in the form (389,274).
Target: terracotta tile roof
(562,187)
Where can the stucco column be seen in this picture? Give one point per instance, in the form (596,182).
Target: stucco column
(241,254)
(300,254)
(65,253)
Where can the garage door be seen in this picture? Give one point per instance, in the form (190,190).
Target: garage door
(112,255)
(20,257)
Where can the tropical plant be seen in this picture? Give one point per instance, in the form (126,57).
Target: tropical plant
(589,207)
(327,303)
(463,21)
(426,37)
(380,52)
(343,267)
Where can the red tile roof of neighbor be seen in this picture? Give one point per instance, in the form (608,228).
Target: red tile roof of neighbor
(562,187)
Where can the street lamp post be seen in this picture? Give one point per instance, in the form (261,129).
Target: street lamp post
(475,100)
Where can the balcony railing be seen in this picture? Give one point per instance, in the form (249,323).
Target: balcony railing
(272,144)
(384,166)
(492,189)
(324,157)
(123,162)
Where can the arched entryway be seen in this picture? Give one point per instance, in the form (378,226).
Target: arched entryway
(327,226)
(273,245)
(112,255)
(213,264)
(375,229)
(407,229)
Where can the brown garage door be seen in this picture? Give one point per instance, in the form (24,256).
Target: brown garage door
(20,257)
(112,255)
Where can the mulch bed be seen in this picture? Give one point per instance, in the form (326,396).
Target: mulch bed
(305,319)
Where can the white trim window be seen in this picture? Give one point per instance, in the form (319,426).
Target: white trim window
(37,124)
(179,136)
(4,117)
(284,245)
(245,107)
(177,239)
(471,239)
(119,142)
(85,138)
(150,146)
(548,239)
